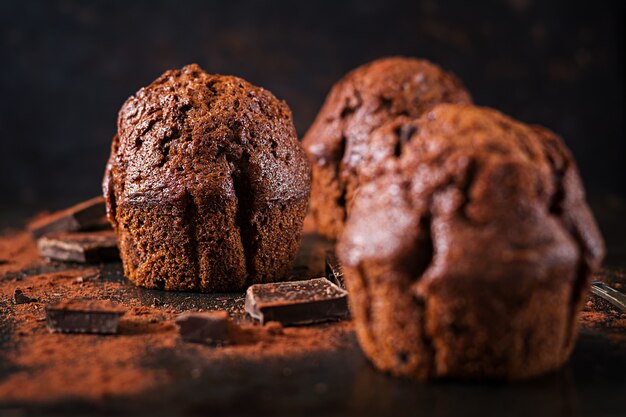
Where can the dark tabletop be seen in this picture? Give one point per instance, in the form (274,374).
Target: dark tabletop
(337,381)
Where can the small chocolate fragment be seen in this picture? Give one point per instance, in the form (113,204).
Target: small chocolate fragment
(86,247)
(609,294)
(82,216)
(212,327)
(333,269)
(79,316)
(273,327)
(297,302)
(20,298)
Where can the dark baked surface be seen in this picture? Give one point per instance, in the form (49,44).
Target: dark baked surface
(207,185)
(470,257)
(367,97)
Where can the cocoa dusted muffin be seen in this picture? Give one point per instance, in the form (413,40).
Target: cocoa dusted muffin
(207,185)
(340,137)
(470,257)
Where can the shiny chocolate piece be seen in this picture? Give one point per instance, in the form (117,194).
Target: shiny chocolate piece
(83,316)
(85,247)
(334,273)
(297,302)
(86,215)
(212,327)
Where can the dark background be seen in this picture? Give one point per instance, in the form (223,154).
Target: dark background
(67,66)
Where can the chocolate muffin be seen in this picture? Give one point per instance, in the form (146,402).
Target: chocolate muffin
(470,257)
(340,137)
(207,185)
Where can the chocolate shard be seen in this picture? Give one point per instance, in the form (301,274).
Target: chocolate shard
(20,298)
(84,316)
(334,271)
(297,302)
(85,247)
(212,328)
(82,216)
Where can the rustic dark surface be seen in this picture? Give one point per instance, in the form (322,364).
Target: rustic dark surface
(329,382)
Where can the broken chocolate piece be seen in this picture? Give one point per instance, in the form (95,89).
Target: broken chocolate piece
(333,269)
(297,302)
(609,294)
(84,316)
(86,247)
(212,327)
(79,217)
(273,327)
(20,298)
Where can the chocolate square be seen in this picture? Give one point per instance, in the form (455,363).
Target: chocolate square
(85,247)
(207,327)
(297,302)
(82,216)
(78,316)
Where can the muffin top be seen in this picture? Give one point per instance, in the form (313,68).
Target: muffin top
(192,132)
(371,95)
(473,193)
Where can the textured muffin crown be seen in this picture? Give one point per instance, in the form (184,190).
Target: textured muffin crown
(374,93)
(189,129)
(470,256)
(339,141)
(480,168)
(207,185)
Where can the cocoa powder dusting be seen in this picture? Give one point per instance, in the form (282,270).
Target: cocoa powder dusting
(37,365)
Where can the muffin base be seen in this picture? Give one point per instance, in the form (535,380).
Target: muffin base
(186,246)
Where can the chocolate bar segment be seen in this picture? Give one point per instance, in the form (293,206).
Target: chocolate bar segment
(212,327)
(85,247)
(297,302)
(82,216)
(333,269)
(78,316)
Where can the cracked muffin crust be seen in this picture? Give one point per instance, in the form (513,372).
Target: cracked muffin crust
(339,139)
(207,185)
(469,258)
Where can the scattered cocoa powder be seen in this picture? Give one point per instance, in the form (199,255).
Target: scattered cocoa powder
(17,251)
(44,366)
(36,365)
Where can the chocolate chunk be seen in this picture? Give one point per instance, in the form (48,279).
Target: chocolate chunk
(78,316)
(20,298)
(212,327)
(86,247)
(273,327)
(609,294)
(297,302)
(333,269)
(82,216)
